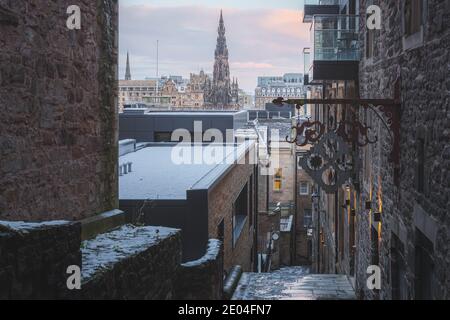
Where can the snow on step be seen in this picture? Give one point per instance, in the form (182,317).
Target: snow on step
(293,284)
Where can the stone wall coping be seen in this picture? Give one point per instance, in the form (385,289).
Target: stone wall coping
(232,281)
(25,226)
(101,223)
(212,253)
(107,249)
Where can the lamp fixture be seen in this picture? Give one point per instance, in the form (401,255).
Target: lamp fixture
(377,216)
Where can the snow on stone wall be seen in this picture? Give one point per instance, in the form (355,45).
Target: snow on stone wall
(131,263)
(202,279)
(34,258)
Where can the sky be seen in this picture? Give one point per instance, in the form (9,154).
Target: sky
(264,37)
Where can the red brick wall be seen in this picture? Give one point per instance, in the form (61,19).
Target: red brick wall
(220,203)
(58,141)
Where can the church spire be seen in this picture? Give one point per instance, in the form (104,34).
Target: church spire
(128,70)
(221,85)
(221,25)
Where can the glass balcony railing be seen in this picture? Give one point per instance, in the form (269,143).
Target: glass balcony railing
(335,38)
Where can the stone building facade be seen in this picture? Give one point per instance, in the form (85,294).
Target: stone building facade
(269,88)
(136,91)
(393,215)
(413,235)
(58,129)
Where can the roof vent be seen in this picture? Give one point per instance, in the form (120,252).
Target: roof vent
(125,168)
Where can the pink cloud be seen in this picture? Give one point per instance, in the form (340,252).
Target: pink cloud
(251,65)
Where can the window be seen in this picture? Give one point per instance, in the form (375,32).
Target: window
(375,258)
(412,16)
(240,213)
(277,180)
(420,173)
(163,136)
(307,218)
(369,43)
(397,269)
(221,231)
(412,24)
(304,188)
(423,270)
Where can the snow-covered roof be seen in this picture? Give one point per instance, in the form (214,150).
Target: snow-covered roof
(158,172)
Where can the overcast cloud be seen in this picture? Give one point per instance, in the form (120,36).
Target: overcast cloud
(261,40)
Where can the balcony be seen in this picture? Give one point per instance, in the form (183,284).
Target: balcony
(319,7)
(335,53)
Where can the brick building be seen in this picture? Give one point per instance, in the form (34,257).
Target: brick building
(204,199)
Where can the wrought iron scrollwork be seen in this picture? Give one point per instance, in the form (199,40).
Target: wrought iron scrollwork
(355,132)
(348,131)
(306,133)
(329,162)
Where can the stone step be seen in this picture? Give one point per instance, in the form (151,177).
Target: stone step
(293,283)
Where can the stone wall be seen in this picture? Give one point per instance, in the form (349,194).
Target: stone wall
(58,127)
(131,263)
(34,258)
(202,279)
(425,118)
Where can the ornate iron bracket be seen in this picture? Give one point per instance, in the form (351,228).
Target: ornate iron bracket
(329,163)
(387,110)
(303,135)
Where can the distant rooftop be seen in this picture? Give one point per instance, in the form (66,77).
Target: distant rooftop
(199,113)
(155,175)
(284,127)
(202,113)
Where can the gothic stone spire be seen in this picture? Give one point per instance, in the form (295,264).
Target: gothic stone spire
(221,87)
(128,70)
